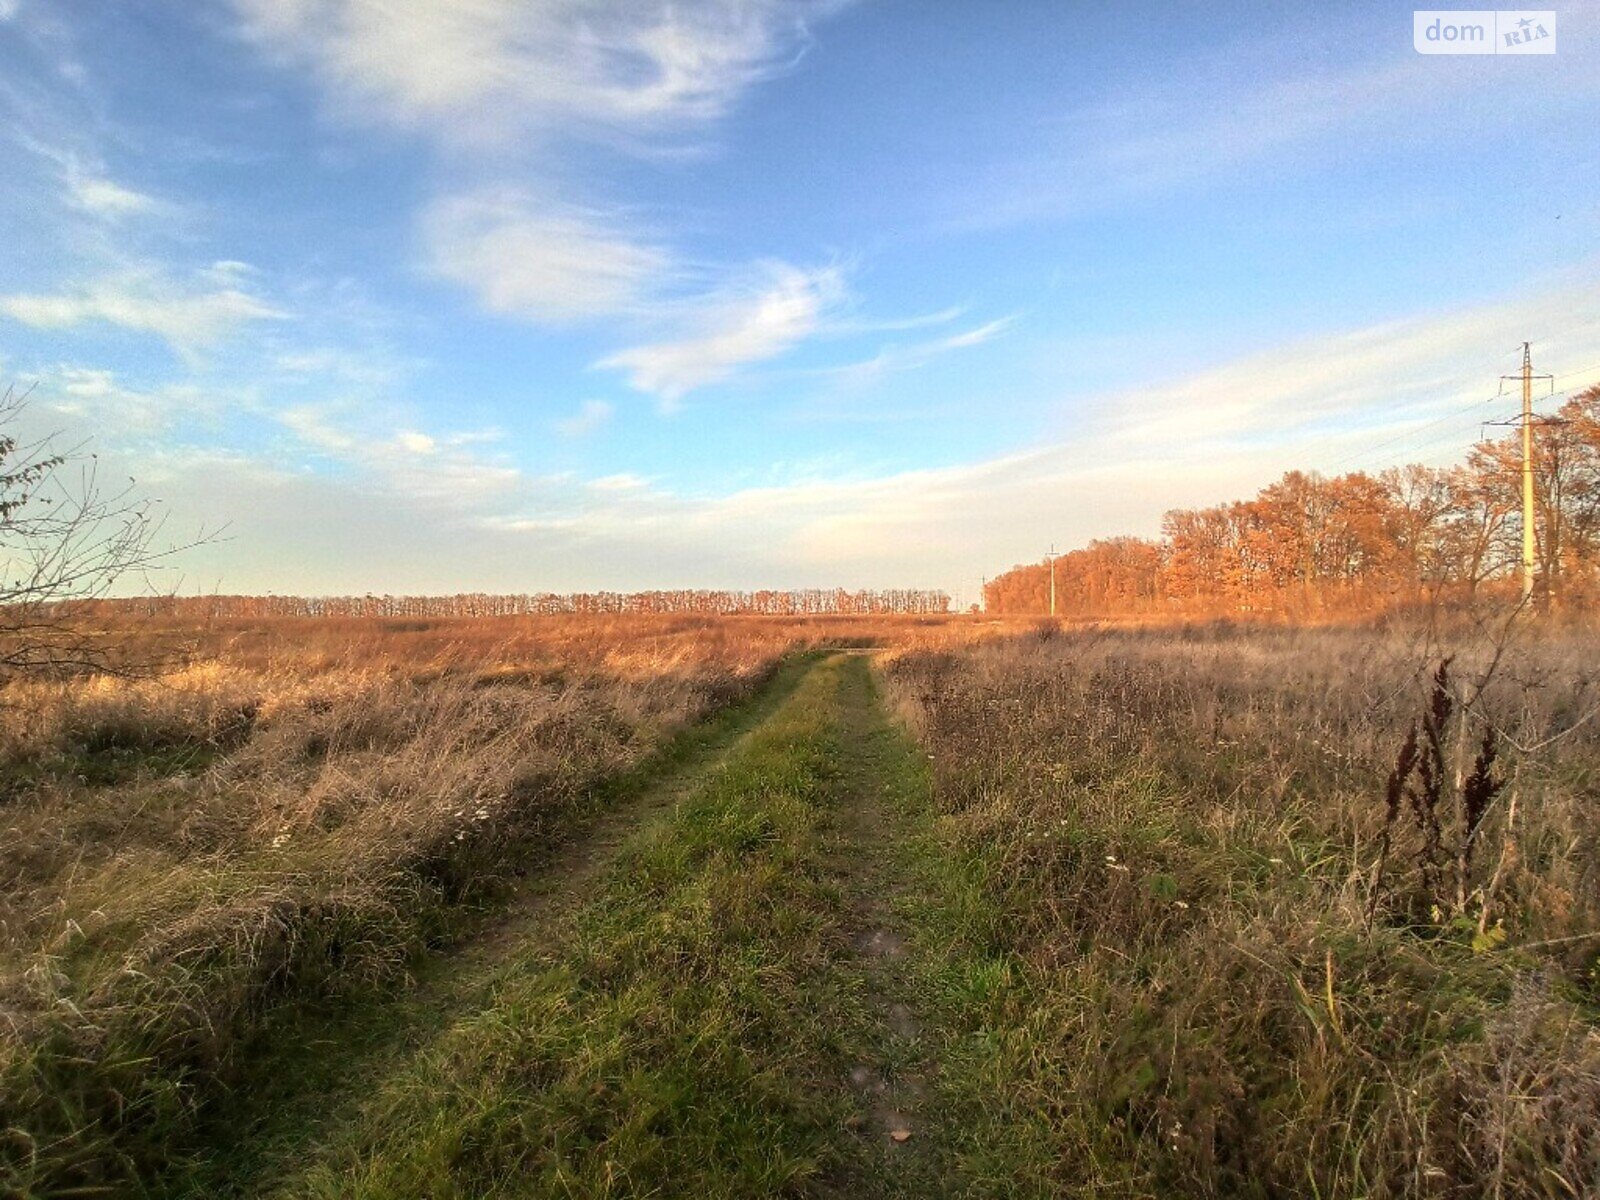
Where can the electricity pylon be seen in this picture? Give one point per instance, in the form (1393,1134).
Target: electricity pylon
(1529,544)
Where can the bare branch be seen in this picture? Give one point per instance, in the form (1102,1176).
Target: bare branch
(68,539)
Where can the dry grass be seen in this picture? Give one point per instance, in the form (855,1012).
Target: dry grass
(1176,835)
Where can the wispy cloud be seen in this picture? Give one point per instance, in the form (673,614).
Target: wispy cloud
(591,415)
(509,87)
(107,199)
(441,471)
(976,336)
(747,324)
(346,365)
(864,324)
(623,482)
(1324,402)
(99,400)
(549,262)
(907,356)
(1338,386)
(86,185)
(189,314)
(501,68)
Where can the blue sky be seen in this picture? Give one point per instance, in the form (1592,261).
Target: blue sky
(572,294)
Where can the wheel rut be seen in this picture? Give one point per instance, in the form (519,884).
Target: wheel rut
(898,1115)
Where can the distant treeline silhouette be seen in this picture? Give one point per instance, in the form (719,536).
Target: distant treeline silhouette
(805,602)
(1351,543)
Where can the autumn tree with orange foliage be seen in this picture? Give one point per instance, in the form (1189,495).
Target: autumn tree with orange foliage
(1356,543)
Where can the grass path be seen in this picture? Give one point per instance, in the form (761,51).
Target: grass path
(882,798)
(311,1064)
(721,993)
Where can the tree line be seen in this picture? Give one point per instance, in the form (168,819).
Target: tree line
(1357,542)
(791,603)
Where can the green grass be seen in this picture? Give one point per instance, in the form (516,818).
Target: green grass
(107,766)
(684,1038)
(975,1002)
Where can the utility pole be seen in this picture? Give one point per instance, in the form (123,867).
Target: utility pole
(1052,579)
(1527,473)
(1529,546)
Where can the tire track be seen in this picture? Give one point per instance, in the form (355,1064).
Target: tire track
(898,1117)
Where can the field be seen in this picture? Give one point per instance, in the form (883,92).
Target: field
(562,906)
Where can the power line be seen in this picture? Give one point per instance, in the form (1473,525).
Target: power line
(1579,371)
(1448,441)
(1464,433)
(1563,393)
(1411,447)
(1410,433)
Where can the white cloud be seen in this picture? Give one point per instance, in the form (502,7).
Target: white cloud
(416,443)
(188,316)
(855,325)
(85,183)
(106,199)
(908,356)
(311,424)
(434,472)
(623,482)
(495,68)
(978,335)
(549,262)
(740,326)
(105,405)
(1379,376)
(9,9)
(591,415)
(350,366)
